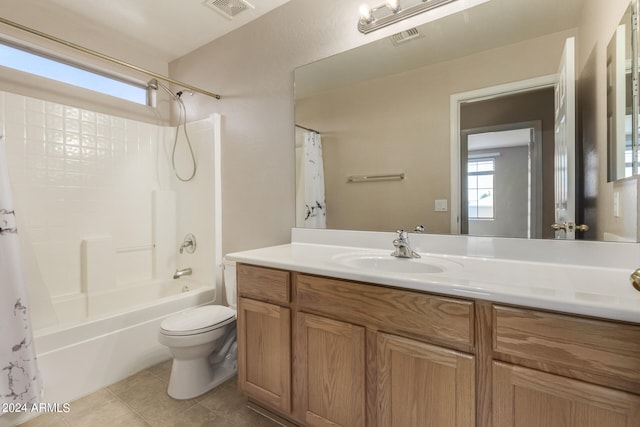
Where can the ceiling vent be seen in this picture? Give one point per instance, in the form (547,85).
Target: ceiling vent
(229,8)
(405,36)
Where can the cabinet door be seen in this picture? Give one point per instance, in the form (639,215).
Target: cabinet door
(264,353)
(524,397)
(423,385)
(330,358)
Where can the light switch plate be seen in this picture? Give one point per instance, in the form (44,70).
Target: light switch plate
(441,205)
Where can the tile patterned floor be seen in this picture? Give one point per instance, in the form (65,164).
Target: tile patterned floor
(142,401)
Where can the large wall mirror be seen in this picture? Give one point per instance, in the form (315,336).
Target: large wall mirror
(451,125)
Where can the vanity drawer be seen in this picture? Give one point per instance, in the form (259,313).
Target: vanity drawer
(262,283)
(430,317)
(578,347)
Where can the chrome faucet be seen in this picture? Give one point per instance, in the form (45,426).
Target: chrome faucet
(184,272)
(189,244)
(403,249)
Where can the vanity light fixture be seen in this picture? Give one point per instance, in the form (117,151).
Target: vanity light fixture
(393,11)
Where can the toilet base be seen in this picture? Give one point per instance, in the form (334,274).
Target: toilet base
(192,378)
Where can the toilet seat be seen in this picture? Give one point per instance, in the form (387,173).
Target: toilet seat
(198,320)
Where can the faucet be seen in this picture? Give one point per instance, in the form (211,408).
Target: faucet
(184,272)
(189,244)
(403,249)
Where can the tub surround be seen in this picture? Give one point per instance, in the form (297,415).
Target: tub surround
(586,278)
(332,330)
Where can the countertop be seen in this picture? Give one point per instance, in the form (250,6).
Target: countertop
(597,291)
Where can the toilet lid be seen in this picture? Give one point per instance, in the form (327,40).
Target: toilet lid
(197,320)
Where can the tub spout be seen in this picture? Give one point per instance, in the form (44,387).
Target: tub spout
(184,272)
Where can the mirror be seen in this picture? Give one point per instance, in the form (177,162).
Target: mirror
(383,112)
(622,98)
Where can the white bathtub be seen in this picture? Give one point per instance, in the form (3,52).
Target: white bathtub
(81,355)
(85,353)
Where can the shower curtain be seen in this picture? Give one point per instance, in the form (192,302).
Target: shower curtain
(315,215)
(19,378)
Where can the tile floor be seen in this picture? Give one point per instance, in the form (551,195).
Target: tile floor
(142,401)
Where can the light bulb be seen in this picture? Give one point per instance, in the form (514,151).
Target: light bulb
(393,5)
(365,13)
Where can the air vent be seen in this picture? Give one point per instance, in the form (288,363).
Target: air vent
(405,36)
(229,8)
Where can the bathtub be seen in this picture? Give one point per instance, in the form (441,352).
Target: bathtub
(104,338)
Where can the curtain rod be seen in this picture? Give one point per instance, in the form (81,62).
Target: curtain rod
(309,129)
(107,58)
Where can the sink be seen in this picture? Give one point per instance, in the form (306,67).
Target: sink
(390,264)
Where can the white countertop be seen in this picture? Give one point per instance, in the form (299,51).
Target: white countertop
(597,291)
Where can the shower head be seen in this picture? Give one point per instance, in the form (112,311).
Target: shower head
(182,120)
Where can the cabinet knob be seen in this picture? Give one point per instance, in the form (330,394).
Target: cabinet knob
(635,279)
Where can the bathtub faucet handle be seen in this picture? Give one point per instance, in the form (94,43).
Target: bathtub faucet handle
(188,244)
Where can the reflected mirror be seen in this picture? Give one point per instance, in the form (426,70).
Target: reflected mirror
(379,128)
(622,98)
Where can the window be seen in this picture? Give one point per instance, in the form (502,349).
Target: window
(49,67)
(480,174)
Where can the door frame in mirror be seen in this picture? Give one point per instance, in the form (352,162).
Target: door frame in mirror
(534,195)
(456,100)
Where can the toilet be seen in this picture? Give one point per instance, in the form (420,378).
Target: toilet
(202,341)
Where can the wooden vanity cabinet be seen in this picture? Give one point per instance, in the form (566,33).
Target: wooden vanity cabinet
(330,365)
(328,352)
(526,397)
(264,336)
(552,369)
(423,385)
(365,356)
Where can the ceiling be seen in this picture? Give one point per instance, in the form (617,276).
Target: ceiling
(172,28)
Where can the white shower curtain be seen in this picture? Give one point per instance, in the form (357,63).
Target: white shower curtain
(315,214)
(19,376)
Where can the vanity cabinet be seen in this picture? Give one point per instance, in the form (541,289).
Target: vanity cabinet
(264,336)
(331,365)
(423,385)
(525,397)
(369,355)
(553,369)
(321,351)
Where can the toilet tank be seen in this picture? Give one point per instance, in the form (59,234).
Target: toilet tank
(229,268)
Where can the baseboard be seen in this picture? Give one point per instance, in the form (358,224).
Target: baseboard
(270,415)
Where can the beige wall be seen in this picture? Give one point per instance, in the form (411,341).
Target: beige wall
(253,70)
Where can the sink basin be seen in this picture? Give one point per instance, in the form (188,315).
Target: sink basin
(389,264)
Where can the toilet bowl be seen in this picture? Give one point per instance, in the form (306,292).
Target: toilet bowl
(202,341)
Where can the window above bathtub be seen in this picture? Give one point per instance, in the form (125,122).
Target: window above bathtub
(51,67)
